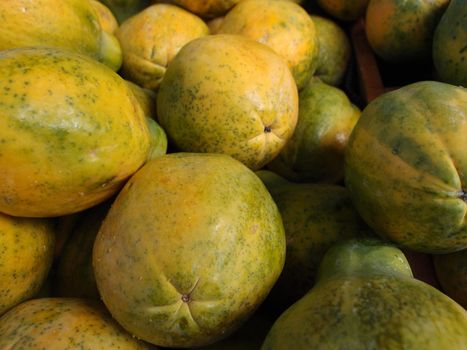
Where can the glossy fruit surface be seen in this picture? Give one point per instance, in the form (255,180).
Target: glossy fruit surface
(26,254)
(334,51)
(190,248)
(63,323)
(406,166)
(315,152)
(367,298)
(152,38)
(401,31)
(69,24)
(449,50)
(283,26)
(229,94)
(71,132)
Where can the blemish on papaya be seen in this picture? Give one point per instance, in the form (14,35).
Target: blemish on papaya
(463,195)
(107,181)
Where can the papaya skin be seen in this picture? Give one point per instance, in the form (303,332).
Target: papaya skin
(406,166)
(256,99)
(315,152)
(401,31)
(158,139)
(27,250)
(146,99)
(449,50)
(176,234)
(334,51)
(64,323)
(106,18)
(366,298)
(65,147)
(283,26)
(315,217)
(152,38)
(69,24)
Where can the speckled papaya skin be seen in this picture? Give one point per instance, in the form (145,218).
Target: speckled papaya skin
(71,132)
(315,152)
(334,51)
(229,94)
(315,217)
(152,38)
(366,298)
(63,324)
(105,16)
(283,26)
(449,44)
(147,99)
(451,270)
(205,8)
(346,10)
(68,24)
(401,31)
(159,141)
(26,254)
(406,166)
(189,249)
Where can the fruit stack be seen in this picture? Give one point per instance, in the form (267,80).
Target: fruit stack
(197,174)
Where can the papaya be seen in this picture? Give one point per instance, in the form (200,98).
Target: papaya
(401,31)
(449,48)
(64,323)
(69,24)
(72,132)
(366,298)
(189,249)
(159,143)
(451,271)
(283,26)
(27,251)
(333,53)
(152,38)
(315,152)
(105,16)
(146,99)
(228,94)
(406,166)
(315,216)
